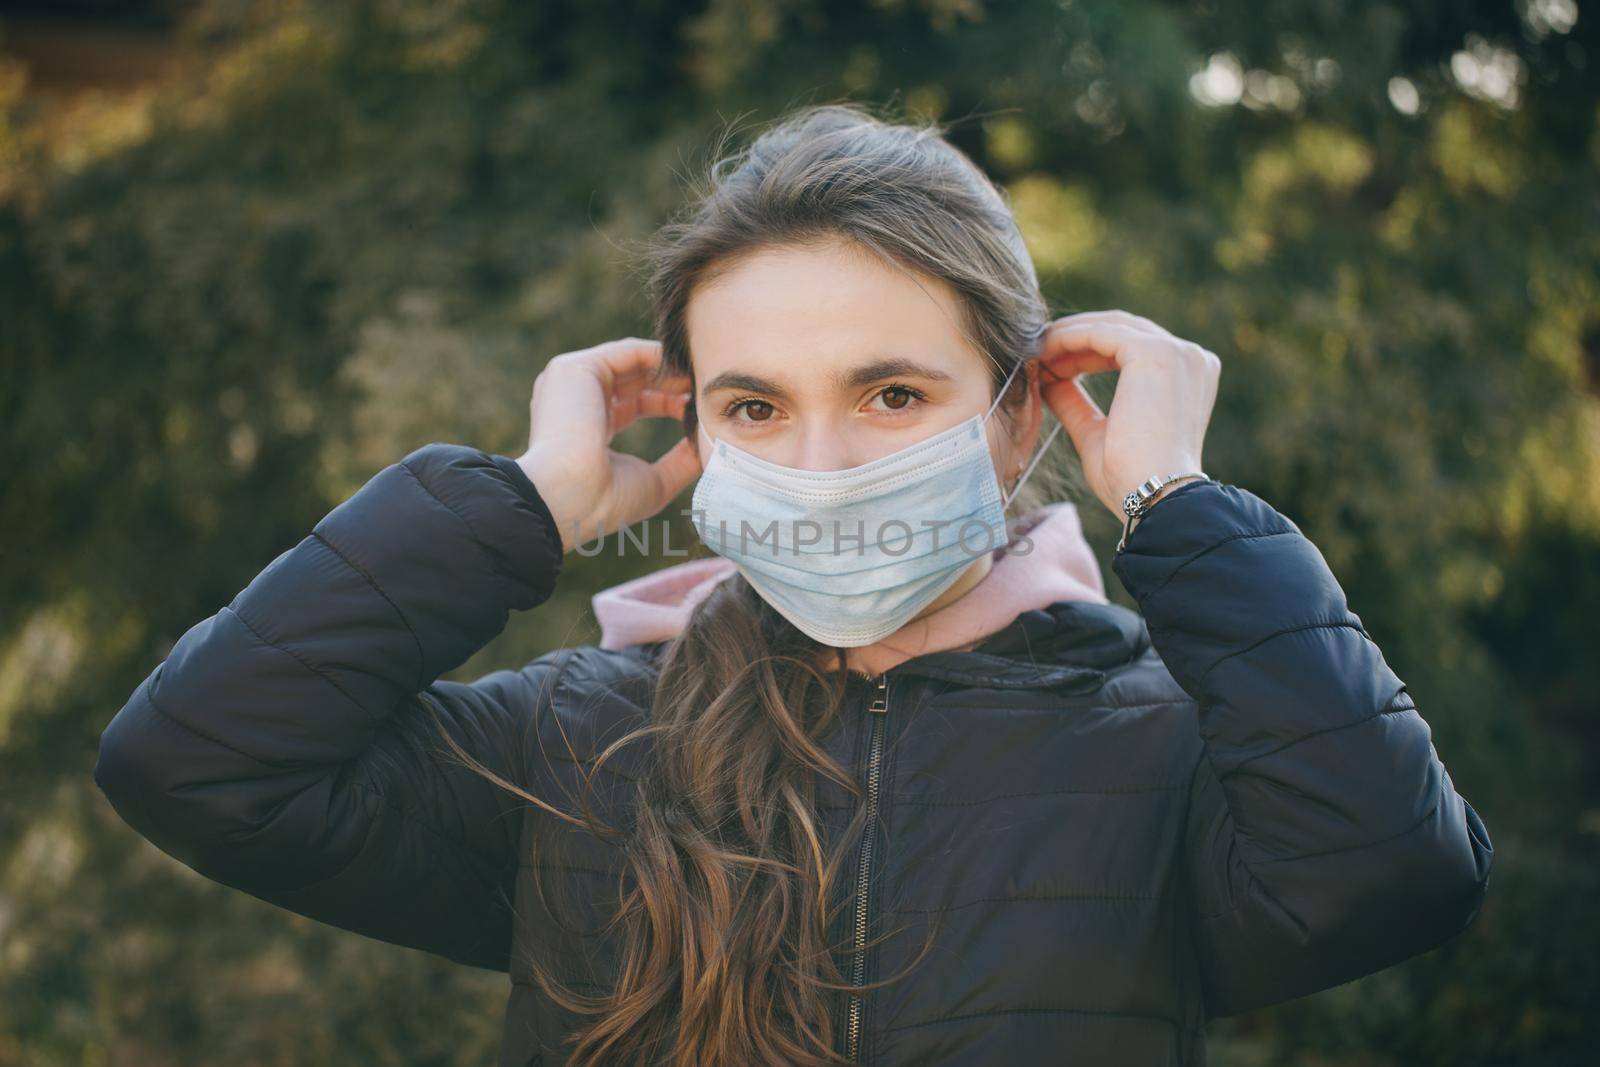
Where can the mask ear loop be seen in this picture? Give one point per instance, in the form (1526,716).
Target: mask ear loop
(1002,392)
(1023,477)
(1006,499)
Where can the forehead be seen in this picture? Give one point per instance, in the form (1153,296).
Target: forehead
(805,313)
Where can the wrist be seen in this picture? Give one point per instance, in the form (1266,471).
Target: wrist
(547,485)
(1138,502)
(1161,493)
(1124,486)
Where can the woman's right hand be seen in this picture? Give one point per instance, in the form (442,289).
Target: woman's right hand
(581,400)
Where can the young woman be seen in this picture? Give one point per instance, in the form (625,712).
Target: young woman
(880,798)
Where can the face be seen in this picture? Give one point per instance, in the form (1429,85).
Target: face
(824,358)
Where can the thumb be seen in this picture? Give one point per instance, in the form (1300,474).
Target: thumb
(677,468)
(1076,409)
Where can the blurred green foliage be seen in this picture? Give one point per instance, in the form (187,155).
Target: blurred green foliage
(345,229)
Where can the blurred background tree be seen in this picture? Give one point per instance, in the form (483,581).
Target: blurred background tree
(329,232)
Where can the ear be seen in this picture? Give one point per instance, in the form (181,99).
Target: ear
(1026,438)
(691,422)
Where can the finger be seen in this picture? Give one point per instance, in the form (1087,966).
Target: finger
(650,403)
(1074,406)
(618,367)
(1120,317)
(567,408)
(1091,347)
(1064,364)
(673,379)
(640,379)
(619,360)
(656,377)
(569,405)
(675,471)
(636,381)
(646,404)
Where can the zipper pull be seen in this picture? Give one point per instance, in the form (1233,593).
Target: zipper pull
(880,696)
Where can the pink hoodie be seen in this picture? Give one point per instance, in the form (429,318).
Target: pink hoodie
(1060,566)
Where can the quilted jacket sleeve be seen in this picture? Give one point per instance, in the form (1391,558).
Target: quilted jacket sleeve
(289,745)
(1325,840)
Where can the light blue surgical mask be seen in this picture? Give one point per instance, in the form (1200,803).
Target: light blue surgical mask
(850,556)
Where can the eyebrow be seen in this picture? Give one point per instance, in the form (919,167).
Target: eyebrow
(855,377)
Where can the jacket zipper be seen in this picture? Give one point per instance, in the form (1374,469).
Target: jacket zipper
(879,707)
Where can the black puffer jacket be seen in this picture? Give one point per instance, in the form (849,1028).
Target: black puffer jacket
(1125,831)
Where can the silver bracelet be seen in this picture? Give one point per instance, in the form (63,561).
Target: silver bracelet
(1137,502)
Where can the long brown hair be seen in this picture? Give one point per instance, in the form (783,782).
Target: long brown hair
(720,928)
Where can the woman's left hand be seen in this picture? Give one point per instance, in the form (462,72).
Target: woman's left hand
(1159,412)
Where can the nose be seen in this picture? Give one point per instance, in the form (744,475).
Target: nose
(815,447)
(820,448)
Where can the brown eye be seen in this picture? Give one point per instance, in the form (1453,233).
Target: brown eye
(905,393)
(746,406)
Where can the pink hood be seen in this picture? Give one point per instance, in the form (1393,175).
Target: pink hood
(1060,566)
